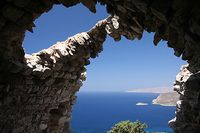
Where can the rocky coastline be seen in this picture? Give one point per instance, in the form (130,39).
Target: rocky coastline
(167,99)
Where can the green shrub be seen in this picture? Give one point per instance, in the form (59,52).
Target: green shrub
(128,127)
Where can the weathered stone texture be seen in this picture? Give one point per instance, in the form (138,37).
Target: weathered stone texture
(37,95)
(38,91)
(187,112)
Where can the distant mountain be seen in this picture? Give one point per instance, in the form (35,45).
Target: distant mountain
(167,99)
(152,90)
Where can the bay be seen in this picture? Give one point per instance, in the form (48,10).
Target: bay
(97,112)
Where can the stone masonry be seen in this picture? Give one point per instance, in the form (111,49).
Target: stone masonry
(187,111)
(38,90)
(41,91)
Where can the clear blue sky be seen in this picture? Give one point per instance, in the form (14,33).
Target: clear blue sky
(121,66)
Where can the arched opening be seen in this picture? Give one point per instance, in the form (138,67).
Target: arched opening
(131,65)
(35,87)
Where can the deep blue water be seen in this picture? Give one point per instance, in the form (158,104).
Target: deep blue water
(98,112)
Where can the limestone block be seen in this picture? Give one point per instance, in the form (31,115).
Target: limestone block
(46,72)
(67,75)
(49,82)
(57,66)
(43,126)
(45,90)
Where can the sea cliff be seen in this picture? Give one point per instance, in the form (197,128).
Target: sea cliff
(167,99)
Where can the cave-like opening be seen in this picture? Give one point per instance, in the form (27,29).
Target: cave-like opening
(121,66)
(35,87)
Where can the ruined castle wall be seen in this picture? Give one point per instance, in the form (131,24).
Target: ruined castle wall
(38,91)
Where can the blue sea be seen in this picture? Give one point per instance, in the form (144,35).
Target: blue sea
(98,112)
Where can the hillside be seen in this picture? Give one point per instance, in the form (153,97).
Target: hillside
(167,99)
(151,90)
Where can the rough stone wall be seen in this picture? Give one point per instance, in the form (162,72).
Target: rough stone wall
(39,94)
(36,90)
(187,112)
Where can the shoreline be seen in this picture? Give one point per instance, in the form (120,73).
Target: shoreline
(162,104)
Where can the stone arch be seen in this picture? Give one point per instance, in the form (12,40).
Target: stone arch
(37,91)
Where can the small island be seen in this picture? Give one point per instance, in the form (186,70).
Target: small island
(141,104)
(166,97)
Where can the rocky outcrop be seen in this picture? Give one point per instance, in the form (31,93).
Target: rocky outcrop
(187,111)
(167,99)
(38,91)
